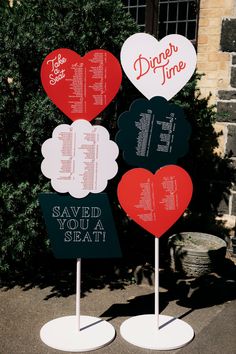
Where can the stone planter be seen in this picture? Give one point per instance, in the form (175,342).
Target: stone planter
(195,254)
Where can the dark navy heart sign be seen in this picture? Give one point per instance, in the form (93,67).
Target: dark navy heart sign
(153,133)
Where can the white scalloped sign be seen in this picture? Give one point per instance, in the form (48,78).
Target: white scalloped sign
(158,68)
(79,158)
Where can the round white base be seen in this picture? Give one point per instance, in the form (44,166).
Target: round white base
(62,334)
(142,331)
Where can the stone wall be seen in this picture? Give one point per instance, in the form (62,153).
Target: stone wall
(217,60)
(213,62)
(226,102)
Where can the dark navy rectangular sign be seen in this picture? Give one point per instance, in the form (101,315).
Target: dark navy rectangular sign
(80,228)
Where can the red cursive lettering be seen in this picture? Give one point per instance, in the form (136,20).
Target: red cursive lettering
(176,68)
(159,63)
(162,67)
(142,70)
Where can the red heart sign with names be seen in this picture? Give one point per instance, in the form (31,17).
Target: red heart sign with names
(81,87)
(155,202)
(158,68)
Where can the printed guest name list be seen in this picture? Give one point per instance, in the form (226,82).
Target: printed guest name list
(79,158)
(151,130)
(86,81)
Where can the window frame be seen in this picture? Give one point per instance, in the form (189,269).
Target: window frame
(152,20)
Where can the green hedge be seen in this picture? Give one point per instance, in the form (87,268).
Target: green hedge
(29,31)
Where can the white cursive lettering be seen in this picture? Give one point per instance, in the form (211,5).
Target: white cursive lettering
(57,74)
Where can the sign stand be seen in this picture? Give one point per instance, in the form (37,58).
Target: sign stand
(77,333)
(158,332)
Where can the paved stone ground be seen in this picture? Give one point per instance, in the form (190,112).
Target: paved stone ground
(23,312)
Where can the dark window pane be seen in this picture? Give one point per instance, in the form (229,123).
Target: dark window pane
(181,28)
(125,2)
(141,15)
(133,11)
(162,30)
(191,30)
(171,28)
(182,10)
(163,12)
(142,2)
(133,2)
(192,11)
(172,12)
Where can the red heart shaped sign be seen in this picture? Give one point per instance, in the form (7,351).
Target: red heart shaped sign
(81,87)
(155,202)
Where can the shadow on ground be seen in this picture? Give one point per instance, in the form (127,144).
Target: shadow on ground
(138,305)
(60,275)
(205,291)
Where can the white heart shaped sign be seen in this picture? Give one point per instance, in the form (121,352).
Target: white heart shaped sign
(158,68)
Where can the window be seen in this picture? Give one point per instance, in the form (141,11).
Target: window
(178,16)
(137,9)
(163,17)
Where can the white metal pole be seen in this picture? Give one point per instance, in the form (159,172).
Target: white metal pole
(78,283)
(157,281)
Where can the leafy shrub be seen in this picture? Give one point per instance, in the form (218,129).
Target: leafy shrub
(29,31)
